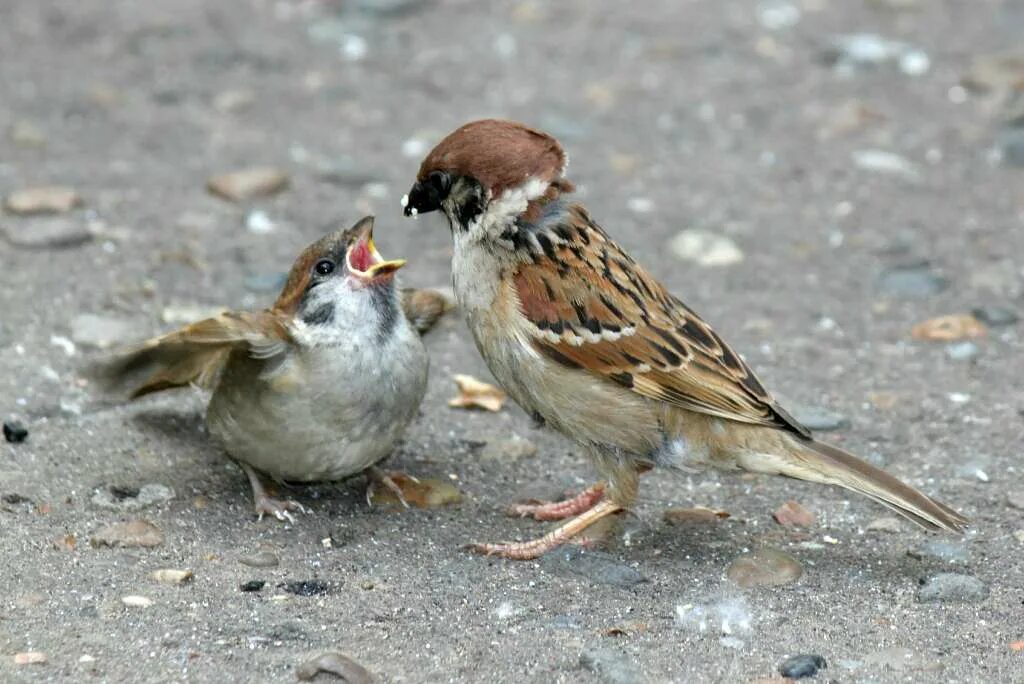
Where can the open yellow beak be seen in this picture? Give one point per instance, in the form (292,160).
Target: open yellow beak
(363,259)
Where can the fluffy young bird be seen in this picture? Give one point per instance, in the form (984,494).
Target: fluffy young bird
(318,387)
(581,336)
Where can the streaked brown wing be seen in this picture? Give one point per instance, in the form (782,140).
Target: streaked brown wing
(195,354)
(594,308)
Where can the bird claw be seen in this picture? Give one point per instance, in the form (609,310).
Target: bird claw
(280,509)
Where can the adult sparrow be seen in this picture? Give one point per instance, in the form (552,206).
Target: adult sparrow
(581,336)
(318,387)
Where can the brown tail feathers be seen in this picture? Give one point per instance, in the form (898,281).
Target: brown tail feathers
(818,462)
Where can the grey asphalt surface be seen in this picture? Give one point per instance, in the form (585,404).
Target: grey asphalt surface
(723,116)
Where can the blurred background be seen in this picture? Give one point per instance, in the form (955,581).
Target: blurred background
(821,179)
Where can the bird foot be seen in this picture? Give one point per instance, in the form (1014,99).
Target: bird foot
(567,533)
(279,508)
(559,510)
(392,481)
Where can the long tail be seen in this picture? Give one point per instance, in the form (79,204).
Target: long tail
(818,462)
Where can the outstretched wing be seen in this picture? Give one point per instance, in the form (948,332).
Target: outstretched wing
(592,307)
(195,354)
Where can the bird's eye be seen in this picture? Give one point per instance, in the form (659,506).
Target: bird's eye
(441,182)
(324,267)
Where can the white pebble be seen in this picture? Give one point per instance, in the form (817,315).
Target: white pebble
(136,601)
(640,205)
(64,343)
(257,222)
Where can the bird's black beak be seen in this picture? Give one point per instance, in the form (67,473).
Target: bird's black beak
(426,195)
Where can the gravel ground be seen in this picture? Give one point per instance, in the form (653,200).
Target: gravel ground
(863,198)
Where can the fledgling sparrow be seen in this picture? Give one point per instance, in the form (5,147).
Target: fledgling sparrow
(581,336)
(318,387)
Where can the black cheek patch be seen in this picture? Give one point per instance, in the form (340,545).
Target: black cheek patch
(322,315)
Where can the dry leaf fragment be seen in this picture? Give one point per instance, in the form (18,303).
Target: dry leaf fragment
(337,664)
(792,514)
(419,493)
(1017,646)
(476,394)
(697,514)
(949,328)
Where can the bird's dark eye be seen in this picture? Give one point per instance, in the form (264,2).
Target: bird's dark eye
(324,267)
(441,182)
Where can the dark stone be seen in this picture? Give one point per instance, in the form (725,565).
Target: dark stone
(598,567)
(252,585)
(800,666)
(913,281)
(14,498)
(15,432)
(611,666)
(951,587)
(995,316)
(314,587)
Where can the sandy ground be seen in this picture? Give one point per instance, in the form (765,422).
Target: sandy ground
(724,116)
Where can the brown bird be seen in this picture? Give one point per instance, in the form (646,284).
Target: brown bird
(581,336)
(318,387)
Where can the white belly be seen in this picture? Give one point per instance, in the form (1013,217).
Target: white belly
(327,425)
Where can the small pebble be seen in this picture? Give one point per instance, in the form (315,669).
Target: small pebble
(252,585)
(15,432)
(596,566)
(915,281)
(313,587)
(792,514)
(1016,499)
(337,664)
(171,576)
(52,199)
(250,183)
(888,524)
(134,601)
(115,498)
(511,449)
(962,351)
(49,233)
(611,666)
(260,559)
(137,533)
(258,222)
(102,332)
(30,658)
(950,587)
(950,552)
(764,568)
(706,248)
(995,316)
(800,666)
(885,162)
